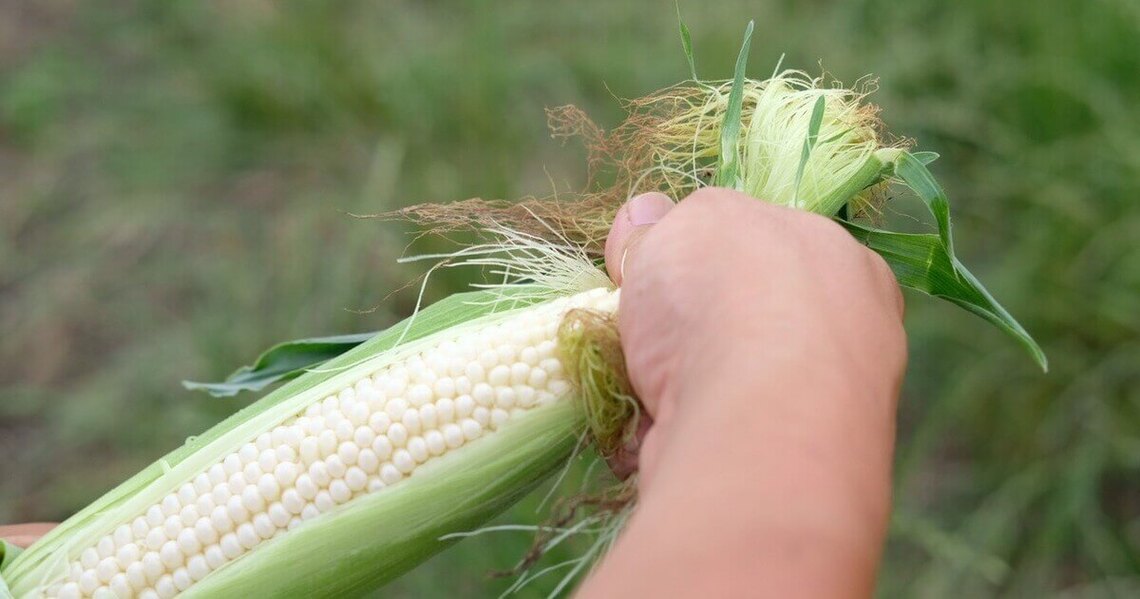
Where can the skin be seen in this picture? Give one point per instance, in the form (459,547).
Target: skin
(767,346)
(22,535)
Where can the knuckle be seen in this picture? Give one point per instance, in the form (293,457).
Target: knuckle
(718,200)
(706,195)
(885,278)
(883,273)
(823,228)
(898,346)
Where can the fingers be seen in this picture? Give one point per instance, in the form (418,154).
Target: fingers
(888,282)
(22,535)
(630,223)
(625,461)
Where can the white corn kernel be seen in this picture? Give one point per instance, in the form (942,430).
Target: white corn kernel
(205,503)
(188,516)
(182,580)
(285,473)
(417,448)
(339,491)
(197,567)
(348,452)
(379,422)
(499,376)
(215,558)
(248,536)
(389,474)
(165,587)
(106,569)
(419,394)
(88,582)
(292,501)
(188,542)
(172,526)
(397,434)
(445,409)
(336,467)
(268,488)
(368,461)
(306,488)
(453,435)
(171,555)
(363,436)
(105,547)
(279,516)
(263,526)
(471,429)
(236,510)
(396,408)
(139,528)
(355,479)
(127,555)
(153,566)
(231,546)
(434,441)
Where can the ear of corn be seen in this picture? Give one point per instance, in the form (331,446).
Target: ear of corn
(380,537)
(412,434)
(77,529)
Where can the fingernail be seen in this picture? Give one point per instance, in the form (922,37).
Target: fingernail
(648,208)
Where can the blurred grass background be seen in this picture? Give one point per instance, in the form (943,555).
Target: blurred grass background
(175,179)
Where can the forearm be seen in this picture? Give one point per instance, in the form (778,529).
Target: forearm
(754,493)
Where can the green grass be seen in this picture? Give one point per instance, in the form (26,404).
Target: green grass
(175,178)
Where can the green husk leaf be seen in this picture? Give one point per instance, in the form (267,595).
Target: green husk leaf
(8,553)
(925,157)
(810,140)
(372,540)
(914,173)
(728,167)
(52,549)
(687,43)
(282,362)
(926,261)
(923,262)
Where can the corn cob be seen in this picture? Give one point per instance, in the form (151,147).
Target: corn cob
(364,433)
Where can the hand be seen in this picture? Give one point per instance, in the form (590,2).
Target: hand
(23,535)
(767,347)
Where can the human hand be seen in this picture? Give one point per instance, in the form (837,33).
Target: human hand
(767,347)
(23,535)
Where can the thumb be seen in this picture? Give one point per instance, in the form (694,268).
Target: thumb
(630,223)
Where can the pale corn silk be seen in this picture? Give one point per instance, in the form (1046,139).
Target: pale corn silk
(370,436)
